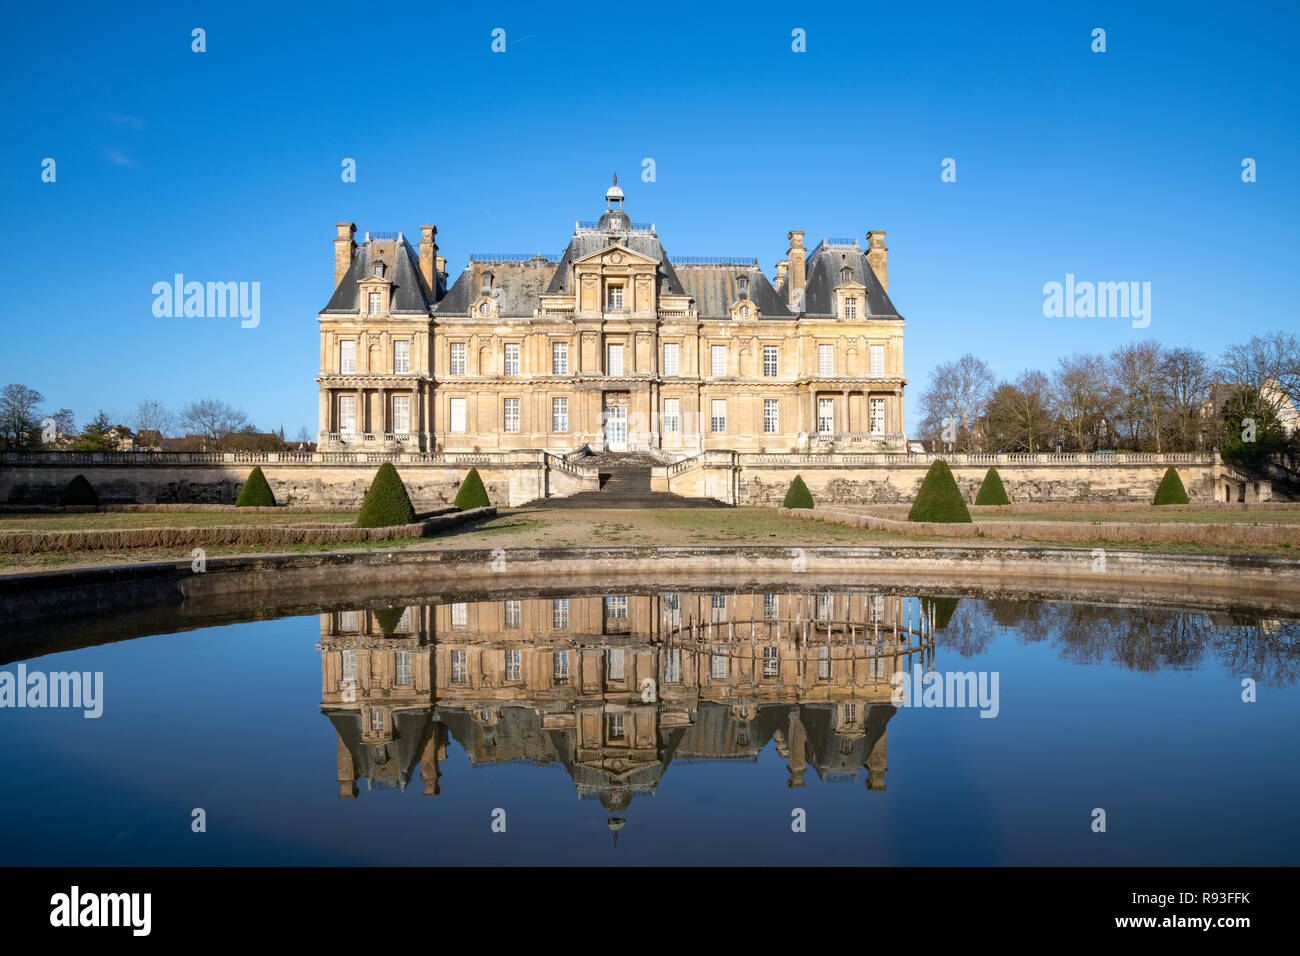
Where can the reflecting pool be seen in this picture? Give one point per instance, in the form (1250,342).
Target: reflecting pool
(662,726)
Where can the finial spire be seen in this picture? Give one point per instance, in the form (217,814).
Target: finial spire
(614,195)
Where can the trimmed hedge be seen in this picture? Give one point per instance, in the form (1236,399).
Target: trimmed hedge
(386,502)
(387,618)
(256,493)
(943,608)
(939,498)
(471,493)
(1171,490)
(992,491)
(798,496)
(78,491)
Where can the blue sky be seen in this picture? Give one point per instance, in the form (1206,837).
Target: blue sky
(225,166)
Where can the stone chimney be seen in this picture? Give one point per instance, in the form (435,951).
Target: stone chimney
(782,268)
(345,248)
(876,253)
(795,256)
(429,256)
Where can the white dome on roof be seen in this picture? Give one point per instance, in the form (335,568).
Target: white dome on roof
(614,194)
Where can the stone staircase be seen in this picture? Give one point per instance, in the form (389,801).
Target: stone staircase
(624,483)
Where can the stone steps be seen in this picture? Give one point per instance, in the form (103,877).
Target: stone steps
(626,485)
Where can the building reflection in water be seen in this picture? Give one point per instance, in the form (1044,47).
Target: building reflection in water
(614,687)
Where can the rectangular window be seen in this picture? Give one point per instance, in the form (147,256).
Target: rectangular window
(559,414)
(377,721)
(376,302)
(459,668)
(717,360)
(670,359)
(614,365)
(457,358)
(770,358)
(718,667)
(769,607)
(458,415)
(718,607)
(459,615)
(347,414)
(559,358)
(347,358)
(511,360)
(826,416)
(823,663)
(825,360)
(512,415)
(877,353)
(402,414)
(401,358)
(615,299)
(402,668)
(877,612)
(825,606)
(560,667)
(514,662)
(771,420)
(850,713)
(851,307)
(615,663)
(615,724)
(350,667)
(718,420)
(560,613)
(672,415)
(877,416)
(512,614)
(616,608)
(770,660)
(672,610)
(673,666)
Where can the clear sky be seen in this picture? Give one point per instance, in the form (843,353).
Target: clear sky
(225,165)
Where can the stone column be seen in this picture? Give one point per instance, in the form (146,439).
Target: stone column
(413,412)
(347,772)
(324,410)
(798,759)
(382,396)
(361,412)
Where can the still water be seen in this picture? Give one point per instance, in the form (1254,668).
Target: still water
(665,727)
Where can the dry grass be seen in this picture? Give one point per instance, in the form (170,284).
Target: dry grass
(96,521)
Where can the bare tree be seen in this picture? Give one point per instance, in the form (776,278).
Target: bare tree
(20,417)
(958,395)
(1020,415)
(1185,377)
(1267,364)
(153,414)
(213,419)
(1083,399)
(1135,374)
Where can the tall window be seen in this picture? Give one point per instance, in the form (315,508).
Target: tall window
(770,660)
(560,667)
(717,360)
(512,614)
(877,416)
(670,358)
(347,358)
(771,421)
(877,353)
(402,667)
(614,723)
(823,663)
(459,616)
(718,667)
(514,664)
(673,666)
(614,365)
(560,613)
(459,667)
(347,414)
(377,721)
(458,415)
(770,354)
(673,610)
(376,303)
(559,358)
(769,607)
(672,415)
(825,360)
(826,416)
(616,608)
(559,414)
(718,420)
(349,667)
(616,663)
(402,414)
(825,606)
(718,607)
(512,360)
(401,358)
(457,358)
(615,299)
(851,307)
(511,423)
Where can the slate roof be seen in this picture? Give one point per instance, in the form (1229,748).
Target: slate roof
(823,275)
(714,289)
(515,285)
(403,270)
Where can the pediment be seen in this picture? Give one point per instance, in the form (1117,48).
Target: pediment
(616,255)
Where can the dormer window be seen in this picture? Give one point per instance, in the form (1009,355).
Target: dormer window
(851,307)
(379,267)
(487,282)
(742,287)
(846,275)
(376,303)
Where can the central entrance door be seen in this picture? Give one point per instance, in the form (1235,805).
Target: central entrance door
(616,421)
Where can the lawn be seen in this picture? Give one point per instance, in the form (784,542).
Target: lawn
(120,520)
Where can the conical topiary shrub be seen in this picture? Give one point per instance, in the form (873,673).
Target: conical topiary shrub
(78,492)
(991,491)
(1171,490)
(386,502)
(472,494)
(942,608)
(798,496)
(939,498)
(256,493)
(388,618)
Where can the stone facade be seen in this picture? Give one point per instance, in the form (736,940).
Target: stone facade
(612,345)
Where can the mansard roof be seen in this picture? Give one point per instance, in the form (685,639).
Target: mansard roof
(517,283)
(824,274)
(712,284)
(586,242)
(403,272)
